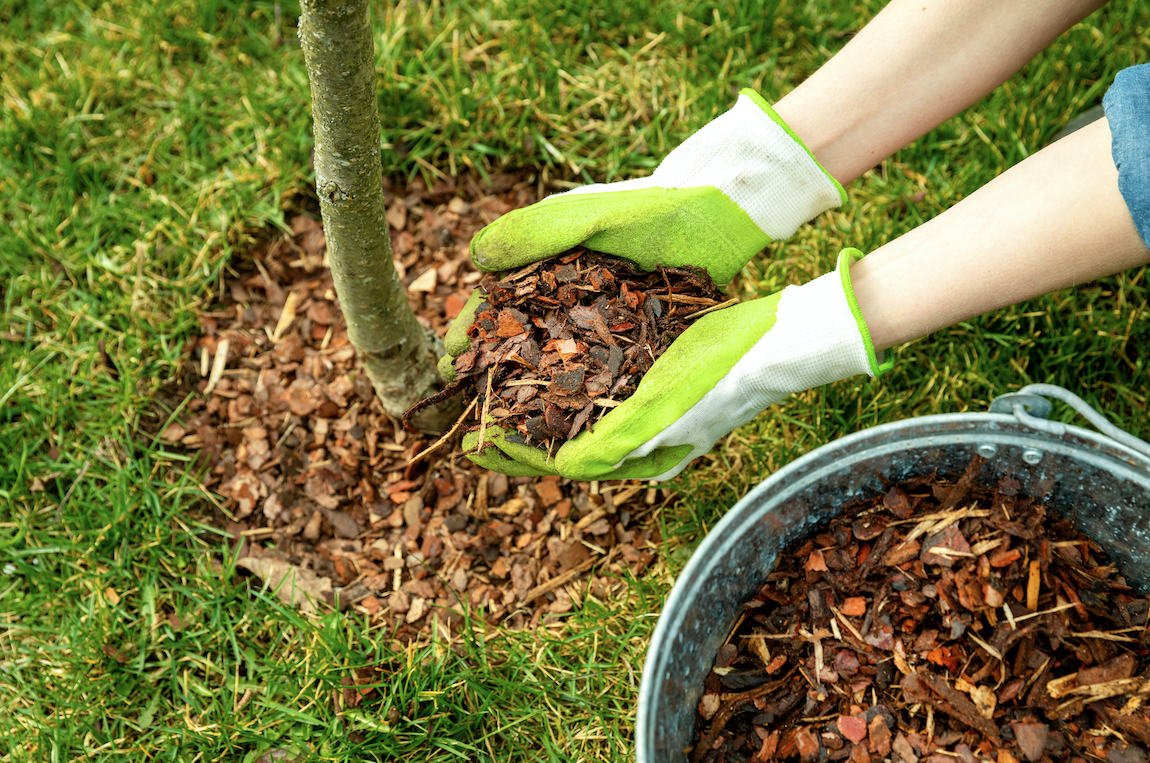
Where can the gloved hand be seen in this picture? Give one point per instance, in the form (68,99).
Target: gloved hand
(720,373)
(742,181)
(714,202)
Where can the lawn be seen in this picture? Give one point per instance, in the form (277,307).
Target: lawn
(143,145)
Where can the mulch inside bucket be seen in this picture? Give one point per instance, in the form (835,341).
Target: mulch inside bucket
(945,620)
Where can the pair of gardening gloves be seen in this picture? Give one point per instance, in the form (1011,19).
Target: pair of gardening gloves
(714,202)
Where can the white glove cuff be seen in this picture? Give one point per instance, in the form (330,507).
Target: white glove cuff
(754,161)
(815,341)
(758,165)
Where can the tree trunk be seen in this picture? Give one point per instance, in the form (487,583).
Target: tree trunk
(396,351)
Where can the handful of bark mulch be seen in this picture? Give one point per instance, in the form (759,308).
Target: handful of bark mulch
(560,342)
(945,621)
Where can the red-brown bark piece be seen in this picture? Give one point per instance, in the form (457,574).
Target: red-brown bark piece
(879,734)
(508,324)
(903,749)
(1031,739)
(807,744)
(902,553)
(567,380)
(923,686)
(945,547)
(897,503)
(868,528)
(1117,668)
(852,727)
(846,662)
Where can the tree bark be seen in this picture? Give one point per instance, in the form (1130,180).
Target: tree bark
(395,349)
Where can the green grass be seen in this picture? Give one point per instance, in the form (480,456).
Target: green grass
(142,144)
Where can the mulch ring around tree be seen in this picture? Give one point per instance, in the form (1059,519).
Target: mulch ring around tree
(946,621)
(313,481)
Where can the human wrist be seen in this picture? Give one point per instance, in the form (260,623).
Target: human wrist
(828,134)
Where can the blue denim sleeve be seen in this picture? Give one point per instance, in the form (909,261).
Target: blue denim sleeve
(1127,105)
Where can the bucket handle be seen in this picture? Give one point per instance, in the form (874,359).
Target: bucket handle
(1030,406)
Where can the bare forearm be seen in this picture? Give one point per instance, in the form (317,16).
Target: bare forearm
(915,65)
(1052,221)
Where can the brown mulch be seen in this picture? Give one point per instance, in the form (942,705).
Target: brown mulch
(312,477)
(945,621)
(559,343)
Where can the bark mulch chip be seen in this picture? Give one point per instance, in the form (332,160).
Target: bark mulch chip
(561,342)
(944,621)
(313,477)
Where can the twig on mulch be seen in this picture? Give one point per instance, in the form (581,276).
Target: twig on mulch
(455,428)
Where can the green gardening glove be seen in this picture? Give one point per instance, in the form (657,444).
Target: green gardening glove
(714,202)
(740,182)
(720,373)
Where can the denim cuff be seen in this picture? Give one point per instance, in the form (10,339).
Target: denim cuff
(1127,106)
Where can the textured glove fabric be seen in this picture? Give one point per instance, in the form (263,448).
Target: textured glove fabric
(817,339)
(740,182)
(717,376)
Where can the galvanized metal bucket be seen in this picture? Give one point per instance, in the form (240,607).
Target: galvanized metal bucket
(1103,479)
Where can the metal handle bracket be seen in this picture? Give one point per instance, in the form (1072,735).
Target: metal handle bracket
(1030,406)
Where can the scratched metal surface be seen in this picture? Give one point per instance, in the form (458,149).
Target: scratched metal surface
(1106,485)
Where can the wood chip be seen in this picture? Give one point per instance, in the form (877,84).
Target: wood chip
(1033,585)
(425,283)
(287,315)
(218,365)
